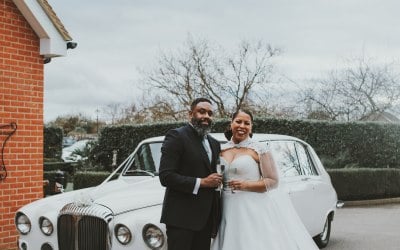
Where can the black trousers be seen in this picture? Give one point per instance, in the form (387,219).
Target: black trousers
(185,239)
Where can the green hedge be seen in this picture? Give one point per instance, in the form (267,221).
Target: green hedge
(67,167)
(365,183)
(52,146)
(89,179)
(339,145)
(124,139)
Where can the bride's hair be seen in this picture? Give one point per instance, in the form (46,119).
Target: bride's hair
(228,132)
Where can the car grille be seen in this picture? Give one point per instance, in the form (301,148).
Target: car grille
(84,227)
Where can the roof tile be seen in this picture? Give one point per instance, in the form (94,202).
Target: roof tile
(54,19)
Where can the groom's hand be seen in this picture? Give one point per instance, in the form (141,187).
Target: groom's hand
(211,181)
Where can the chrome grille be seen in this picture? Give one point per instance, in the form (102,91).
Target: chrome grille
(66,232)
(88,238)
(84,228)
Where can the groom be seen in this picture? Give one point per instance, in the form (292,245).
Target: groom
(191,209)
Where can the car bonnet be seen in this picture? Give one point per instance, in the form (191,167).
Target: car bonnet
(121,196)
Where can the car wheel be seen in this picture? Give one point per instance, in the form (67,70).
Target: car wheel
(322,239)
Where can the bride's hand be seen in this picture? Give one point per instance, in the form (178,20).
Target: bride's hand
(237,184)
(253,186)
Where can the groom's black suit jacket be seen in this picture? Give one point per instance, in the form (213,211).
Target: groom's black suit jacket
(184,159)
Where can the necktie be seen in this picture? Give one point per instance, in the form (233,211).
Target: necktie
(206,146)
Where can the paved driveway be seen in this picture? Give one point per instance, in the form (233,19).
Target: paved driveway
(366,228)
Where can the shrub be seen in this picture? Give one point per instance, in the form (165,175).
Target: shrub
(339,144)
(365,183)
(52,143)
(89,179)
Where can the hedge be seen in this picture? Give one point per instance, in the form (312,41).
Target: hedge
(339,144)
(68,167)
(52,146)
(365,183)
(89,179)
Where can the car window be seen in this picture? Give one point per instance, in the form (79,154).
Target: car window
(155,149)
(306,165)
(147,158)
(285,157)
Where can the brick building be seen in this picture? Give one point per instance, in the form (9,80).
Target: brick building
(30,35)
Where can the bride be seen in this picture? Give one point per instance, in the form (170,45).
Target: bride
(256,215)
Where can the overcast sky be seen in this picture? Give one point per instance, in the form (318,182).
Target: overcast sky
(115,38)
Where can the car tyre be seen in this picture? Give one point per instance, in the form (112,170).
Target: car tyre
(322,239)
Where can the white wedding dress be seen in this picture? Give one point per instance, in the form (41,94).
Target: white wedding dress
(258,221)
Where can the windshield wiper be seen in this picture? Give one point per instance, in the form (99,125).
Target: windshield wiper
(139,171)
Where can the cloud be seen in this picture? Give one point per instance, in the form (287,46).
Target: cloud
(116,38)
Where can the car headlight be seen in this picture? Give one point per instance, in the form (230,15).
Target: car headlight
(123,234)
(153,236)
(23,223)
(46,226)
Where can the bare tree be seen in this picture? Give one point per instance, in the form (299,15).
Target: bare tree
(113,112)
(354,92)
(132,113)
(73,123)
(145,109)
(203,70)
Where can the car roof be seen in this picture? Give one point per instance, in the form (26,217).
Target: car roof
(221,137)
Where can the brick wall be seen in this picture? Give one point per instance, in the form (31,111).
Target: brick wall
(21,101)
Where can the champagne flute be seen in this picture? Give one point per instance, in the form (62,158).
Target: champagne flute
(221,171)
(227,178)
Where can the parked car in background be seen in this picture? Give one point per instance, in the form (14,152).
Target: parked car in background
(124,211)
(76,151)
(68,141)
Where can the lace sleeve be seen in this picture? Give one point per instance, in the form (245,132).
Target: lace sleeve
(268,167)
(268,170)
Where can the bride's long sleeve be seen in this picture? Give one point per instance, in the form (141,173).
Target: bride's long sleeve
(268,170)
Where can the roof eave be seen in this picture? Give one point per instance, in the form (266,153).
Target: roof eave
(53,40)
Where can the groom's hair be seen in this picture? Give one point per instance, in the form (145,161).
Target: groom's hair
(197,100)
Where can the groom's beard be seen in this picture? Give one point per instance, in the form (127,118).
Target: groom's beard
(202,129)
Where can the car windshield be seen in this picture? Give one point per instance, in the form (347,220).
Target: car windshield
(146,161)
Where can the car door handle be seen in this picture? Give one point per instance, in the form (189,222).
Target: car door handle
(305,178)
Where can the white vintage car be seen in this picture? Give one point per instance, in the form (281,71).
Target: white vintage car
(124,211)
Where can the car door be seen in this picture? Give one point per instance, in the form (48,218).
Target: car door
(308,200)
(295,177)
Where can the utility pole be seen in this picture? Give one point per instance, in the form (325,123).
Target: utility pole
(97,120)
